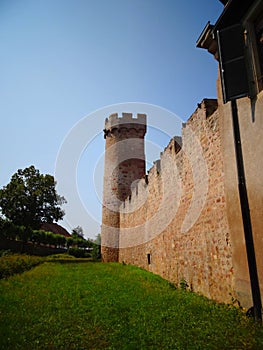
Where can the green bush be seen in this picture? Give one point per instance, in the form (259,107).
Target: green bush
(79,253)
(183,284)
(69,242)
(26,234)
(96,252)
(7,230)
(57,257)
(5,252)
(10,231)
(12,264)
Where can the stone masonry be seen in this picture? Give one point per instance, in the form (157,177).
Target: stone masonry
(172,222)
(182,220)
(124,164)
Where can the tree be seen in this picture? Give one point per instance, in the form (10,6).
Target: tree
(96,252)
(77,232)
(30,199)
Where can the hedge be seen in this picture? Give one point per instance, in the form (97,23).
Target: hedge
(12,264)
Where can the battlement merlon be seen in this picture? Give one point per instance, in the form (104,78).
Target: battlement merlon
(127,120)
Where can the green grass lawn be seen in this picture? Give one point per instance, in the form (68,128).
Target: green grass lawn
(113,306)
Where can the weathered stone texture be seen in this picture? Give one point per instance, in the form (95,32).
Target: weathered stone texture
(124,164)
(250,114)
(181,218)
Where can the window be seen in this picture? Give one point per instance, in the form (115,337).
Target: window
(259,44)
(149,258)
(254,28)
(232,62)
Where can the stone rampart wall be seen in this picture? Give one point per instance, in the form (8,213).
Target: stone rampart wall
(175,223)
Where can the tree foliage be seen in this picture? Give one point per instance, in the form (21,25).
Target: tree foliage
(77,232)
(30,199)
(96,252)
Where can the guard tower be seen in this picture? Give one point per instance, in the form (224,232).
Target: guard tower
(124,163)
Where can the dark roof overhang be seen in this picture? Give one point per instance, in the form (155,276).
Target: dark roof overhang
(224,2)
(233,13)
(206,40)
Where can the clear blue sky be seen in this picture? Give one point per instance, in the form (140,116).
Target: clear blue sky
(60,60)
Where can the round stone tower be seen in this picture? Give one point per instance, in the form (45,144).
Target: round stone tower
(124,163)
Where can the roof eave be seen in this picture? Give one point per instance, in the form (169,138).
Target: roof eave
(206,40)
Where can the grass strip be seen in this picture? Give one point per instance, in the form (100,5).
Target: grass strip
(113,306)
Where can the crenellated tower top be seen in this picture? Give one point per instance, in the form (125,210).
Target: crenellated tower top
(126,121)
